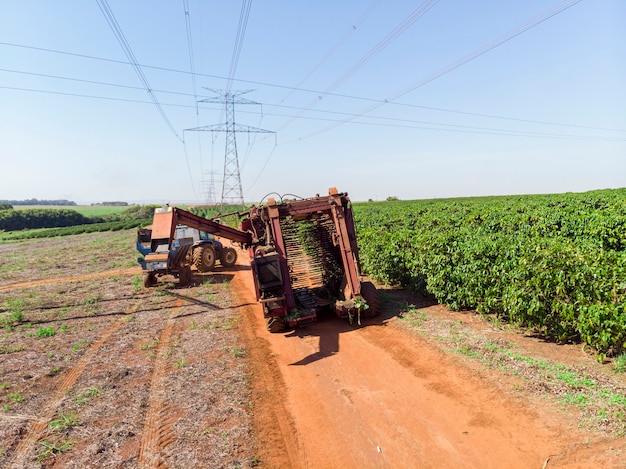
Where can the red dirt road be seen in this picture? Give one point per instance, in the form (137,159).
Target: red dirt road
(332,395)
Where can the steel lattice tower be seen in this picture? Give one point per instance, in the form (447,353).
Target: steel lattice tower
(232,192)
(208,186)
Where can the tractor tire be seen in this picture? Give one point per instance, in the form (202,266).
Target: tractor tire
(204,258)
(275,325)
(228,257)
(184,276)
(149,279)
(372,297)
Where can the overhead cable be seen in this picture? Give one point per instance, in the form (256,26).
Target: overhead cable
(484,130)
(353,28)
(190,52)
(377,49)
(193,82)
(304,90)
(121,39)
(241,32)
(463,60)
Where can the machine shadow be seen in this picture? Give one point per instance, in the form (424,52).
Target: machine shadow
(329,327)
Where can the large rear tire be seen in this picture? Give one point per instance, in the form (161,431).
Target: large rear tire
(372,297)
(204,258)
(184,276)
(228,257)
(149,279)
(275,324)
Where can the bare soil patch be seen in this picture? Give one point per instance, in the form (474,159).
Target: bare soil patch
(103,373)
(396,394)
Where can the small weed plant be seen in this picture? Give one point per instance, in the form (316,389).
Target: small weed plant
(137,283)
(15,397)
(619,364)
(82,343)
(87,395)
(46,332)
(63,422)
(6,349)
(49,448)
(236,351)
(15,312)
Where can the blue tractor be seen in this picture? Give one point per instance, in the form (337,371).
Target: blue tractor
(178,252)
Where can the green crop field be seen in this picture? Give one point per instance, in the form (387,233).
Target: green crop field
(554,263)
(86,210)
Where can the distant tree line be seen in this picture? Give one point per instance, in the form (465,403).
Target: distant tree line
(38,202)
(73,230)
(111,204)
(14,220)
(11,220)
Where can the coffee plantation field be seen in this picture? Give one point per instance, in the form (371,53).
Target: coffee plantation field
(554,263)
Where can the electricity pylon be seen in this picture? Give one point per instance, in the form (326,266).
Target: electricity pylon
(232,192)
(208,188)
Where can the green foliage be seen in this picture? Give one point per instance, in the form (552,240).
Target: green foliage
(14,312)
(61,222)
(63,422)
(74,230)
(135,212)
(213,212)
(11,220)
(46,332)
(87,395)
(15,397)
(619,364)
(51,448)
(6,206)
(555,263)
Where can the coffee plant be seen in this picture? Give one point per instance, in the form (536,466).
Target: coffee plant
(554,263)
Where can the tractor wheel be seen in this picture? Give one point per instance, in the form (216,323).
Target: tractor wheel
(204,258)
(228,257)
(275,325)
(371,296)
(184,276)
(149,279)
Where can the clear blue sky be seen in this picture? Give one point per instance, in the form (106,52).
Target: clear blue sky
(543,112)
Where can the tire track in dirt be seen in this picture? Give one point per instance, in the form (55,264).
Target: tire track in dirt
(38,427)
(71,278)
(160,416)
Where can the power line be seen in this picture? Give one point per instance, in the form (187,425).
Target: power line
(522,28)
(484,130)
(383,43)
(430,108)
(463,60)
(377,49)
(305,90)
(336,46)
(193,82)
(95,82)
(121,39)
(190,52)
(241,32)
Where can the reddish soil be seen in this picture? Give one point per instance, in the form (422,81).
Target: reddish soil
(158,378)
(333,395)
